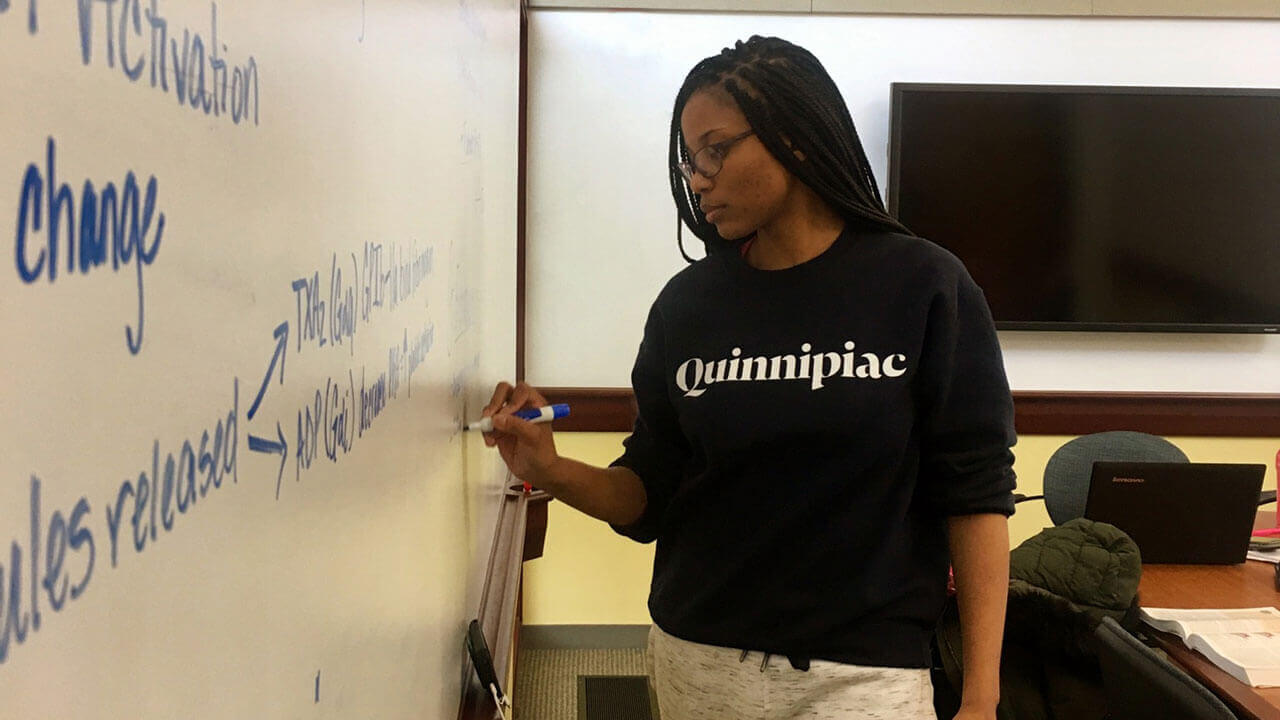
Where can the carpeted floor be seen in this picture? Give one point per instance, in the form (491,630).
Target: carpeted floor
(547,681)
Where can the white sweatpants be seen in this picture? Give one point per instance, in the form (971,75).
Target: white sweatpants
(705,682)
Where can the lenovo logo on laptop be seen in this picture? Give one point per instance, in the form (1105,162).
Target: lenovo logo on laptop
(1128,480)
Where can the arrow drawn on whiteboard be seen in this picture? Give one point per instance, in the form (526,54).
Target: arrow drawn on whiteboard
(264,445)
(282,340)
(361,38)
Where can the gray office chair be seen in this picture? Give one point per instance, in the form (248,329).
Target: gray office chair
(1067,474)
(1139,683)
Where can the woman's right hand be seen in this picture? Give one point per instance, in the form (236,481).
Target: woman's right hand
(527,448)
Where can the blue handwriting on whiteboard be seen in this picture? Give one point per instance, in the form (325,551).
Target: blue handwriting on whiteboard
(341,413)
(373,399)
(200,77)
(335,317)
(280,447)
(31,23)
(329,418)
(56,582)
(404,359)
(306,292)
(410,273)
(139,509)
(266,445)
(140,503)
(112,225)
(417,352)
(342,306)
(281,335)
(374,281)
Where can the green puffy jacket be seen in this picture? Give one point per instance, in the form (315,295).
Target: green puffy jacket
(1062,582)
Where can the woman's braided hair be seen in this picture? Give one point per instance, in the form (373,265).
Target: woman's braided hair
(786,96)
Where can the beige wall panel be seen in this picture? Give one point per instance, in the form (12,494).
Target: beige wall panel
(745,6)
(1188,8)
(956,7)
(588,574)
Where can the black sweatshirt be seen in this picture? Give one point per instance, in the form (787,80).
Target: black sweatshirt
(803,435)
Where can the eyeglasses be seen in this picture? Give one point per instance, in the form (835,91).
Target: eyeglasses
(708,161)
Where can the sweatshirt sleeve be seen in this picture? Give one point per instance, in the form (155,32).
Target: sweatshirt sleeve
(657,450)
(965,406)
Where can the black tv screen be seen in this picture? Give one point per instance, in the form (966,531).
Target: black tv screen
(1098,208)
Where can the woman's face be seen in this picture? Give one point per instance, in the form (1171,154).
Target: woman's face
(752,188)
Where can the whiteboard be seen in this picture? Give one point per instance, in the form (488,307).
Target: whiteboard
(601,231)
(282,275)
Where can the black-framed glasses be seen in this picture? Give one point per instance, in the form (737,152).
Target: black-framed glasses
(708,161)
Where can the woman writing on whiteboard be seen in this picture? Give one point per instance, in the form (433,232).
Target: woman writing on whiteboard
(824,423)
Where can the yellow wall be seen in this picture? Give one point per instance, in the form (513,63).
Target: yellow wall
(589,575)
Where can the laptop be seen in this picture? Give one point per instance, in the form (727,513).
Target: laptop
(1196,513)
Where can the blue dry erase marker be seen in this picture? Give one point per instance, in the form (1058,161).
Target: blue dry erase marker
(546,413)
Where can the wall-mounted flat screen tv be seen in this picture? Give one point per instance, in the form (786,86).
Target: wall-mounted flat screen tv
(1098,208)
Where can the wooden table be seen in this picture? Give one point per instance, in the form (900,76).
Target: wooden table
(1250,584)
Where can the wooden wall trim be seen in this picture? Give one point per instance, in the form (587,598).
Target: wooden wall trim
(1036,412)
(535,530)
(594,409)
(1216,414)
(499,604)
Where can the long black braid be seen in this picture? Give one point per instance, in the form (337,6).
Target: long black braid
(786,95)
